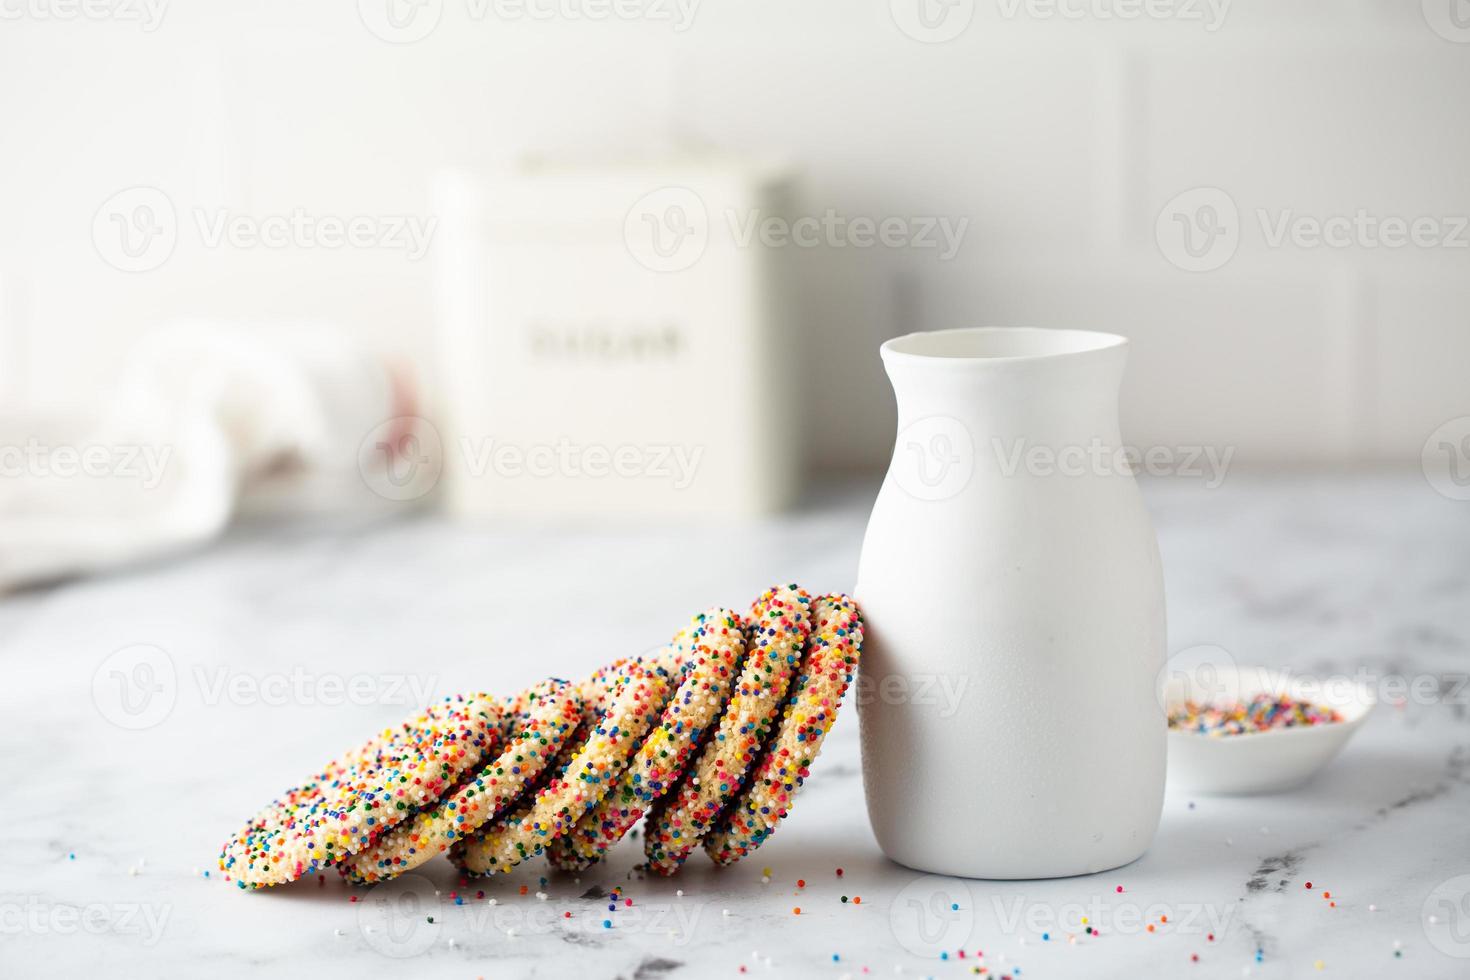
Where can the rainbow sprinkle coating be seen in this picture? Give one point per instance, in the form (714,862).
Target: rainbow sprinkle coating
(709,738)
(634,702)
(710,650)
(548,714)
(779,625)
(826,671)
(358,797)
(1262,713)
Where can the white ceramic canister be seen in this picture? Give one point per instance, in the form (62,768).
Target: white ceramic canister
(1014,608)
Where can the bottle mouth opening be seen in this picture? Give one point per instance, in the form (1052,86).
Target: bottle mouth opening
(996,344)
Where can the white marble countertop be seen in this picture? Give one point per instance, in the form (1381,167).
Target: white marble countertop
(286,644)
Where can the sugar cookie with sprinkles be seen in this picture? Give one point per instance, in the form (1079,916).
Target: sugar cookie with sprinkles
(778,625)
(595,691)
(635,698)
(359,796)
(832,652)
(710,650)
(598,687)
(546,716)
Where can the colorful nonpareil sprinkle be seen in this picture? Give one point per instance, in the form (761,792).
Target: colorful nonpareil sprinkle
(779,623)
(709,737)
(1262,713)
(549,715)
(826,670)
(640,692)
(708,655)
(356,798)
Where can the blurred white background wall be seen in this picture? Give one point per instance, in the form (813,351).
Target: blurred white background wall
(1064,133)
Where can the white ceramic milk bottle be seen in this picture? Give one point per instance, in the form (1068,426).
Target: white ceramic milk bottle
(1014,607)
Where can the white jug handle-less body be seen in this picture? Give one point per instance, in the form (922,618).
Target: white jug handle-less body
(1013,597)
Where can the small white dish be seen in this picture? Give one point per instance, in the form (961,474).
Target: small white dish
(1262,762)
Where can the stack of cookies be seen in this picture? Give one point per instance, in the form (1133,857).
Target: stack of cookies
(708,738)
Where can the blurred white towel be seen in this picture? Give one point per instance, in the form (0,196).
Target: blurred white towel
(207,420)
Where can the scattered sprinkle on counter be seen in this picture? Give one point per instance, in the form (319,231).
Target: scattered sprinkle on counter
(444,780)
